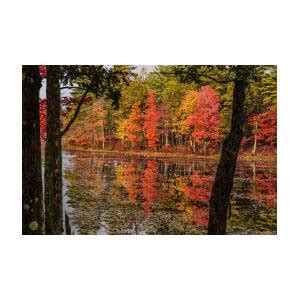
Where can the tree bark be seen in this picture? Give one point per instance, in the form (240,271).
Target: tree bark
(53,156)
(220,196)
(205,148)
(255,140)
(32,190)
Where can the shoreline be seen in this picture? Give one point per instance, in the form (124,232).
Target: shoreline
(249,157)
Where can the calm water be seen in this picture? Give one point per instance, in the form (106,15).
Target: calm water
(109,194)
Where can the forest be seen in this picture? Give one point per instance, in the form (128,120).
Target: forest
(138,125)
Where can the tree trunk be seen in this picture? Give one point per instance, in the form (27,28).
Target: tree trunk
(166,134)
(103,139)
(53,157)
(32,190)
(205,148)
(222,186)
(255,140)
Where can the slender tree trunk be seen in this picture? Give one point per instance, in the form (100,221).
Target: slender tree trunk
(205,148)
(255,140)
(53,157)
(166,134)
(191,141)
(222,186)
(103,138)
(32,191)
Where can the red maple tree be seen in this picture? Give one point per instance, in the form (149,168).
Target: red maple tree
(205,120)
(264,128)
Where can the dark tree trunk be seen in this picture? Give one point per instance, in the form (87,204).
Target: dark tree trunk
(222,187)
(53,157)
(32,191)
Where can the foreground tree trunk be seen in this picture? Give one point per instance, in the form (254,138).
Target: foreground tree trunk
(32,191)
(53,156)
(220,196)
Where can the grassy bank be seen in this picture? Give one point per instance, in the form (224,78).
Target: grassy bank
(168,154)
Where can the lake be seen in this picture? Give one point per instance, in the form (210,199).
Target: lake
(122,194)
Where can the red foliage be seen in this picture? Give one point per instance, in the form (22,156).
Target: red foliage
(200,189)
(265,189)
(205,120)
(152,116)
(149,185)
(43,118)
(68,102)
(43,71)
(266,126)
(66,107)
(200,216)
(118,146)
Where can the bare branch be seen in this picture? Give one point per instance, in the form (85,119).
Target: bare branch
(75,113)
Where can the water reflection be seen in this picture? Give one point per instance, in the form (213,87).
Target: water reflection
(132,195)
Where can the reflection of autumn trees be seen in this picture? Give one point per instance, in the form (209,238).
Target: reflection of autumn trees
(132,181)
(258,182)
(264,186)
(127,176)
(129,195)
(253,208)
(198,193)
(200,189)
(149,185)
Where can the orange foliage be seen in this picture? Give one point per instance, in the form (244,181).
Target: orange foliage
(152,116)
(149,185)
(135,127)
(131,181)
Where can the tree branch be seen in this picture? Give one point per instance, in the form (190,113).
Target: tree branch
(72,87)
(217,80)
(202,75)
(75,113)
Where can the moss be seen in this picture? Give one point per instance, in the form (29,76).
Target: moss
(33,225)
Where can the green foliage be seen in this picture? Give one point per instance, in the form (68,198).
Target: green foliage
(134,92)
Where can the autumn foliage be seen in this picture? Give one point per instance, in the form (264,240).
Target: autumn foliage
(200,188)
(151,120)
(43,118)
(266,126)
(135,126)
(149,124)
(205,119)
(149,185)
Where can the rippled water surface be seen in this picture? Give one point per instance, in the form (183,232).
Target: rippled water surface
(119,194)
